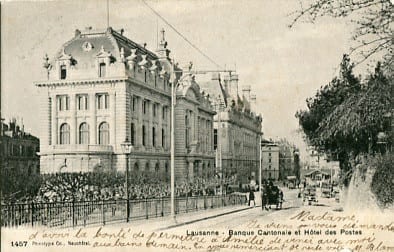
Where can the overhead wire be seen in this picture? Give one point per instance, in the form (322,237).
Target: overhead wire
(180,34)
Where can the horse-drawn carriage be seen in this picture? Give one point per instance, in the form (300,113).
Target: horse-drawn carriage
(309,195)
(271,195)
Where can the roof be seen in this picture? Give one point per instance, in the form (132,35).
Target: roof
(214,88)
(106,41)
(315,171)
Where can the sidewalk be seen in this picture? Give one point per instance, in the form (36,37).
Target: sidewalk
(165,223)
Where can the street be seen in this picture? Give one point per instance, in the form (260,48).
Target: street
(244,219)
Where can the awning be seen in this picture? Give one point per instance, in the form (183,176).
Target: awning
(291,177)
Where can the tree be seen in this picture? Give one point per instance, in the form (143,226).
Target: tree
(373,18)
(345,116)
(326,100)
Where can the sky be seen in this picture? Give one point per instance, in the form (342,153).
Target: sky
(283,66)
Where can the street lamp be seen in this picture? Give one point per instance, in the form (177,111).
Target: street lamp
(219,167)
(260,162)
(126,149)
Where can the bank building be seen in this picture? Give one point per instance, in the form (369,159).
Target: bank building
(102,89)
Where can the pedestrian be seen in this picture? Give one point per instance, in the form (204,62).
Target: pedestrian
(251,197)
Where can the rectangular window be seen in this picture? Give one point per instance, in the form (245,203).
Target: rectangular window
(63,72)
(269,160)
(215,139)
(154,110)
(82,100)
(63,102)
(132,135)
(134,103)
(164,110)
(163,138)
(143,135)
(153,136)
(102,101)
(102,70)
(144,106)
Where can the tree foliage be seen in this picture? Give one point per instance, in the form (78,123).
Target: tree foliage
(346,115)
(373,18)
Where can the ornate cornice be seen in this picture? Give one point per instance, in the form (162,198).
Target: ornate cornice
(51,83)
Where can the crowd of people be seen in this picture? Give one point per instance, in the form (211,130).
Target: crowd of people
(67,187)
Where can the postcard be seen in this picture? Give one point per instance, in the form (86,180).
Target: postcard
(146,125)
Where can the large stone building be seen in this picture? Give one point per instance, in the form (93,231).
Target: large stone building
(237,129)
(103,89)
(270,159)
(18,151)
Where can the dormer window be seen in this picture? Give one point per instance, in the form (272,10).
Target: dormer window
(102,69)
(63,72)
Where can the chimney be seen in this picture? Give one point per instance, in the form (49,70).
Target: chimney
(246,92)
(253,102)
(234,86)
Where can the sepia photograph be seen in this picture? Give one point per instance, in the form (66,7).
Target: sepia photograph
(210,125)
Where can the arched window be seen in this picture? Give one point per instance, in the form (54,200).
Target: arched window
(147,167)
(104,133)
(84,133)
(64,134)
(157,167)
(136,167)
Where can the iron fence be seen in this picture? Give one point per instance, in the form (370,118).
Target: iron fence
(82,213)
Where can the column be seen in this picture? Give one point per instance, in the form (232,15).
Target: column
(190,169)
(159,124)
(92,119)
(112,123)
(73,121)
(139,122)
(54,121)
(149,125)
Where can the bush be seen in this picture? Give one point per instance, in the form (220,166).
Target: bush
(383,180)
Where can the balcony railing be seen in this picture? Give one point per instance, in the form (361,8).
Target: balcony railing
(82,148)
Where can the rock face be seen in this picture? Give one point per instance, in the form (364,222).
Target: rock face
(358,196)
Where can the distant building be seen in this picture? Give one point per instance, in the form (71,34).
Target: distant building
(18,150)
(103,89)
(237,128)
(270,159)
(289,160)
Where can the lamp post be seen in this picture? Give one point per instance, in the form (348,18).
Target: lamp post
(219,167)
(126,149)
(260,163)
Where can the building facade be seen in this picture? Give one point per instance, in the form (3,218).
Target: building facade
(289,160)
(270,160)
(19,162)
(237,129)
(103,89)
